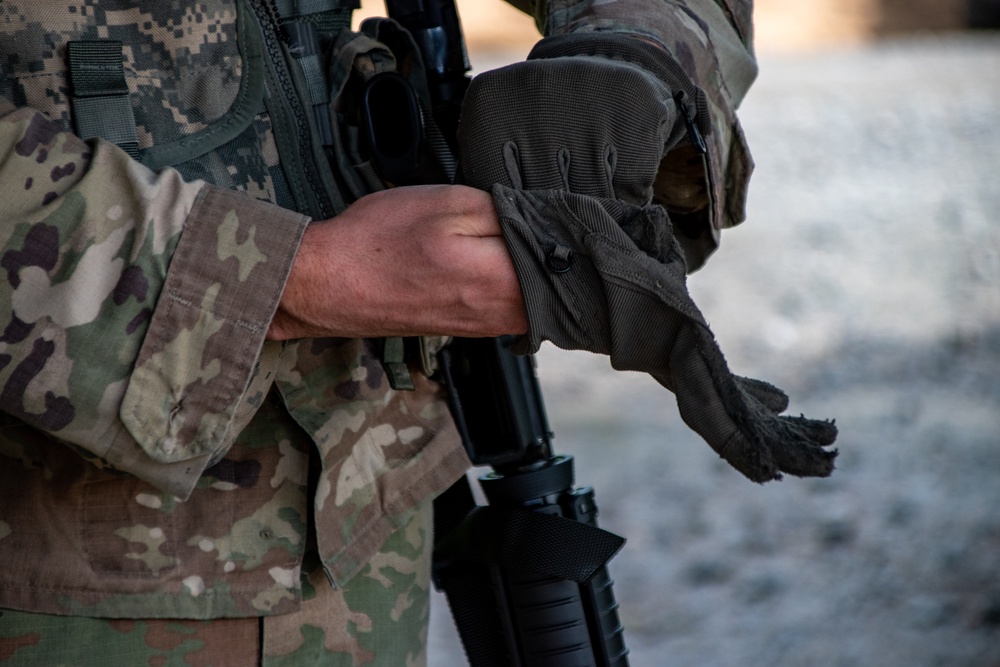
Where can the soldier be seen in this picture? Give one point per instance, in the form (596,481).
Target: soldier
(203,458)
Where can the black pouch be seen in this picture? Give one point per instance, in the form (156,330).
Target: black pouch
(385,135)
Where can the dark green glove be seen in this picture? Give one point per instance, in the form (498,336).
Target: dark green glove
(569,147)
(583,123)
(609,277)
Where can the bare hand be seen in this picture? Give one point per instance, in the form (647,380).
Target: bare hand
(423,260)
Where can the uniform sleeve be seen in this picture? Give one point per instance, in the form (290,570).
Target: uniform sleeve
(134,305)
(711,39)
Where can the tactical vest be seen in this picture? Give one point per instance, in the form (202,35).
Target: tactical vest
(268,105)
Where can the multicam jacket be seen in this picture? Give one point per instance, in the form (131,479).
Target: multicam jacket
(158,457)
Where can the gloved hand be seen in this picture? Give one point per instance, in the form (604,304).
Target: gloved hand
(585,123)
(599,268)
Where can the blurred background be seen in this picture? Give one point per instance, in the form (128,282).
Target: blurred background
(781,25)
(865,282)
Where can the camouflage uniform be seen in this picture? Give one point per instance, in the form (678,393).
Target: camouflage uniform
(160,460)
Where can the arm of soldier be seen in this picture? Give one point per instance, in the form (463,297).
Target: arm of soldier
(650,17)
(134,305)
(711,39)
(424,260)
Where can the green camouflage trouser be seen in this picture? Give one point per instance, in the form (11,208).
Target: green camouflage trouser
(378,618)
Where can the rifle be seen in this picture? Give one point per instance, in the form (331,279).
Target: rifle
(525,576)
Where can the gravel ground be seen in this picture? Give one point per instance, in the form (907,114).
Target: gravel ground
(866,283)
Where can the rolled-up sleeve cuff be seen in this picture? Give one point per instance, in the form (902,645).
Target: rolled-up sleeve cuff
(205,338)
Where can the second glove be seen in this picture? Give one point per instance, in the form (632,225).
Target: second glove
(609,277)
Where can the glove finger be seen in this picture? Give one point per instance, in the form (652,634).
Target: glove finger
(798,446)
(741,428)
(775,445)
(769,396)
(820,431)
(617,299)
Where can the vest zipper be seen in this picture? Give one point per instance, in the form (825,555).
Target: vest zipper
(288,97)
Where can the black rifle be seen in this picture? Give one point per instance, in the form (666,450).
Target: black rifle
(525,576)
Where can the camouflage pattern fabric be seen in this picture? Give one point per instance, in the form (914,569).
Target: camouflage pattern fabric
(92,351)
(188,81)
(379,618)
(380,449)
(37,640)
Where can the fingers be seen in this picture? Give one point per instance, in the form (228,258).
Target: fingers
(797,445)
(822,432)
(792,445)
(769,396)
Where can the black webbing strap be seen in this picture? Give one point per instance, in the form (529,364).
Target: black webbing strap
(101,106)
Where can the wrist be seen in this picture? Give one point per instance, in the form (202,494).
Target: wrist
(294,317)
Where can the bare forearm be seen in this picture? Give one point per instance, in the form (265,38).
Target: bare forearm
(426,260)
